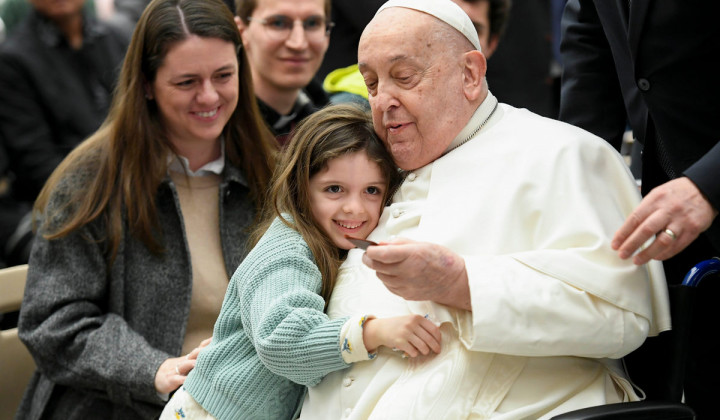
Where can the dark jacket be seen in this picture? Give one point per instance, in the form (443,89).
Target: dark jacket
(310,99)
(99,333)
(53,96)
(648,66)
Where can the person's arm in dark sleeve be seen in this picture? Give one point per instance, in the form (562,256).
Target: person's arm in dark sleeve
(590,94)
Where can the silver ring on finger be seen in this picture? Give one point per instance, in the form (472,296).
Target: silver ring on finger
(670,233)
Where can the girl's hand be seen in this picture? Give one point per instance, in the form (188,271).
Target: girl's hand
(173,371)
(413,334)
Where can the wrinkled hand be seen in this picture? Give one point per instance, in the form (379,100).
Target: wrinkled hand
(173,371)
(412,334)
(421,271)
(677,205)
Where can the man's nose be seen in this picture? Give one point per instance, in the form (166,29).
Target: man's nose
(384,98)
(297,39)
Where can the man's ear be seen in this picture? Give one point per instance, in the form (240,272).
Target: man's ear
(241,27)
(240,24)
(491,46)
(474,68)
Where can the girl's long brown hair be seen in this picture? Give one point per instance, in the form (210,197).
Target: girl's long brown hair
(125,161)
(332,132)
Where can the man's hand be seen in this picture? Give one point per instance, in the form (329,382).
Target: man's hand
(677,205)
(421,271)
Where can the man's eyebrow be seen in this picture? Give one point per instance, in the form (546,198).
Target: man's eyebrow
(393,59)
(399,57)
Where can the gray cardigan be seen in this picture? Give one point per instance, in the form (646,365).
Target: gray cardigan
(99,333)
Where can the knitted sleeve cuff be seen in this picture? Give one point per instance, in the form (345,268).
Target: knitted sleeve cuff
(352,346)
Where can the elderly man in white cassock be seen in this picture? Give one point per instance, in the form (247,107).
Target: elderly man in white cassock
(500,233)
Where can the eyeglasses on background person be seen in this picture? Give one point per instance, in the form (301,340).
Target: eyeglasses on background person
(279,27)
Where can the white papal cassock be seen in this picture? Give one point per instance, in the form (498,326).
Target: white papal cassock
(531,204)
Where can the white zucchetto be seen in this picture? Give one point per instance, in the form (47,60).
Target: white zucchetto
(445,10)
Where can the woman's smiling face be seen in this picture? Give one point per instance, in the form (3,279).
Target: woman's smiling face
(196,91)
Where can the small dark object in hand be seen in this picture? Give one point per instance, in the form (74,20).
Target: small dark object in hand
(360,243)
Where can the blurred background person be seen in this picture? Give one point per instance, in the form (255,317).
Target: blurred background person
(142,223)
(12,12)
(285,41)
(57,72)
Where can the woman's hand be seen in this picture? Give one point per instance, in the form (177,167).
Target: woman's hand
(173,371)
(413,334)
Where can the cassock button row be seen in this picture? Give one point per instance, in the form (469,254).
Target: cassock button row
(411,176)
(347,381)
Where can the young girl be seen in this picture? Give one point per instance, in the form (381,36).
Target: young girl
(272,336)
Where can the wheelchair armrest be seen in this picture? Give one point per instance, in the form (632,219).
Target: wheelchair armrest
(640,410)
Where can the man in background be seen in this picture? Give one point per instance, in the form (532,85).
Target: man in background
(285,41)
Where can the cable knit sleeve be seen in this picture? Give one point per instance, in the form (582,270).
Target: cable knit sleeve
(282,310)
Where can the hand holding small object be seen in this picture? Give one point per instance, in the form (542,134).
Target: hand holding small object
(360,243)
(421,271)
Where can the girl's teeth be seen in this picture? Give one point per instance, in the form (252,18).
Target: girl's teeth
(348,227)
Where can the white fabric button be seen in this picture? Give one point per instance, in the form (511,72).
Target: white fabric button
(347,381)
(411,176)
(397,213)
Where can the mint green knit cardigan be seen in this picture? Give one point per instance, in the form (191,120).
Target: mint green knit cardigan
(272,337)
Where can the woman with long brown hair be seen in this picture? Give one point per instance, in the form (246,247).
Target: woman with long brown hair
(140,226)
